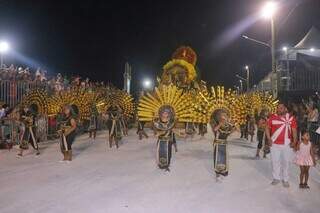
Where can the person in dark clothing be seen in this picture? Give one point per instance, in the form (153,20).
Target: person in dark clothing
(67,132)
(262,123)
(28,136)
(140,130)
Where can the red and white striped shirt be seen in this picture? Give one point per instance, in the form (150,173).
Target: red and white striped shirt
(281,128)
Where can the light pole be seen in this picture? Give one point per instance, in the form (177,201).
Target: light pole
(248,77)
(241,86)
(268,12)
(4,47)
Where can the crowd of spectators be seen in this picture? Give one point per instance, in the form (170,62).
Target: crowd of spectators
(41,79)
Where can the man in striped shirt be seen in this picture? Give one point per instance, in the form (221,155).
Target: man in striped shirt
(281,133)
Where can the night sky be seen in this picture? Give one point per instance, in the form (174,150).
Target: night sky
(95,38)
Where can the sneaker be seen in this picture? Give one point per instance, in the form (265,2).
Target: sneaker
(285,184)
(275,182)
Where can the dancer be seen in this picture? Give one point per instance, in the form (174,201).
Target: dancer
(304,158)
(281,133)
(202,129)
(140,130)
(28,135)
(166,138)
(262,123)
(67,132)
(93,126)
(221,125)
(251,127)
(114,125)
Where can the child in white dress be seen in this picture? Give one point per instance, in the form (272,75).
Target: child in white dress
(304,158)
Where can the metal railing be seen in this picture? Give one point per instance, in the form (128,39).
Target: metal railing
(12,92)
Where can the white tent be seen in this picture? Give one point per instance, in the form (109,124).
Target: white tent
(310,40)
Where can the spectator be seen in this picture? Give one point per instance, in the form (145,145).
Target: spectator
(281,133)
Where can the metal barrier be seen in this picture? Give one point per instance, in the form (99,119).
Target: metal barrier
(10,130)
(12,92)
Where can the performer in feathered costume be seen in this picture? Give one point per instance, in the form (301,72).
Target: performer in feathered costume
(118,108)
(223,111)
(28,136)
(166,106)
(67,132)
(93,124)
(115,125)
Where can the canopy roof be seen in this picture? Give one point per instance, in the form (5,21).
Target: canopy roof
(310,40)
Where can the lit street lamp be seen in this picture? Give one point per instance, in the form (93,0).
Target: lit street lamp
(147,84)
(248,77)
(4,47)
(268,12)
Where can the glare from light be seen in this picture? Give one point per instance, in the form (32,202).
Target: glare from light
(269,10)
(285,49)
(4,47)
(312,49)
(147,83)
(246,67)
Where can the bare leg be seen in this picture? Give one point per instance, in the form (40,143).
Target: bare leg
(258,153)
(116,142)
(110,141)
(301,175)
(20,153)
(306,175)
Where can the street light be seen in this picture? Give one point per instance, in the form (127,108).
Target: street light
(268,12)
(147,84)
(4,47)
(248,77)
(312,49)
(241,86)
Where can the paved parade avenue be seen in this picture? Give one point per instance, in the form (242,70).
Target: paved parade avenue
(103,180)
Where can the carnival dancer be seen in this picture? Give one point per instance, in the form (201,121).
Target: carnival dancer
(114,125)
(202,129)
(281,133)
(251,127)
(67,132)
(140,130)
(28,135)
(304,158)
(124,124)
(93,125)
(164,126)
(221,125)
(262,124)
